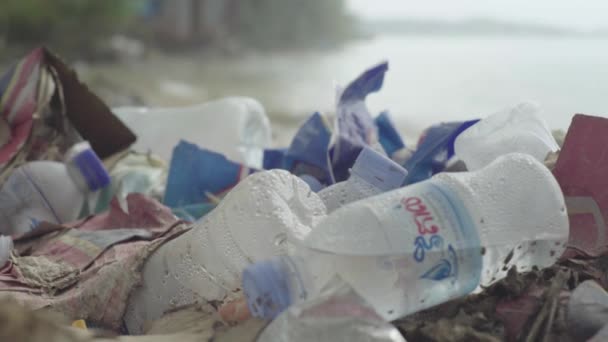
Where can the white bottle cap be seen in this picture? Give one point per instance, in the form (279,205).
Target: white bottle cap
(378,170)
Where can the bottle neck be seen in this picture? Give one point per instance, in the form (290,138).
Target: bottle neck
(85,168)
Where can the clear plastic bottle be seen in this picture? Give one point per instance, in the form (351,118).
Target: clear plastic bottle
(262,217)
(234,126)
(412,248)
(50,191)
(517,129)
(372,174)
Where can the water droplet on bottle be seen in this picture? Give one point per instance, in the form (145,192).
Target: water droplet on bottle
(280,239)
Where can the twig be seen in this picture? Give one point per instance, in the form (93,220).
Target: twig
(549,307)
(551,318)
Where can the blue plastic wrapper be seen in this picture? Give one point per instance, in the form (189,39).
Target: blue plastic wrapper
(198,176)
(355,126)
(434,151)
(274,158)
(308,152)
(387,133)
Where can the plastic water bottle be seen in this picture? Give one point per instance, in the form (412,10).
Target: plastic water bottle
(412,248)
(50,191)
(260,218)
(517,129)
(372,174)
(234,126)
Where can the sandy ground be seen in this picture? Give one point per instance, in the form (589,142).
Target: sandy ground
(190,324)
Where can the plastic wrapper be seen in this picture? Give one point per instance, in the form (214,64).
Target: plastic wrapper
(435,149)
(355,127)
(198,177)
(46,110)
(387,133)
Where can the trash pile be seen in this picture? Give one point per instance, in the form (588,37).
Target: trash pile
(485,230)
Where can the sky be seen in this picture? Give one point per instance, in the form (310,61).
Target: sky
(585,14)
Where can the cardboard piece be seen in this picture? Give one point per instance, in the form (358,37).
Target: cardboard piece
(91,117)
(582,172)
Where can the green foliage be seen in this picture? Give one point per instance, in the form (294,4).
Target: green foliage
(80,25)
(279,23)
(63,22)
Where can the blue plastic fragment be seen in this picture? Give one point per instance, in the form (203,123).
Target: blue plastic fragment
(434,151)
(355,125)
(387,134)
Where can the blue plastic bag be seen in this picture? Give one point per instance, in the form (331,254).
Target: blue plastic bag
(199,176)
(355,127)
(434,151)
(387,134)
(308,152)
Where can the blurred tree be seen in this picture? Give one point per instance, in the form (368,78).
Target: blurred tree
(280,23)
(63,23)
(79,26)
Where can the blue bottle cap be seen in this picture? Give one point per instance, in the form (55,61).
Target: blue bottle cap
(378,170)
(266,288)
(91,170)
(312,182)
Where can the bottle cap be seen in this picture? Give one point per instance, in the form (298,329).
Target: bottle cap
(378,170)
(86,168)
(266,287)
(312,182)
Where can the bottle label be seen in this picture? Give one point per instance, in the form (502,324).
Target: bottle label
(404,250)
(443,242)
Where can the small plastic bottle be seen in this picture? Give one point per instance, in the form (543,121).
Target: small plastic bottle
(50,191)
(372,174)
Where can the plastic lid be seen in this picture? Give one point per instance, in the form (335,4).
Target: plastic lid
(378,170)
(312,182)
(266,287)
(86,168)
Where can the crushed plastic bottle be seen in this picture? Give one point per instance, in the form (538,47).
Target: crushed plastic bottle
(372,174)
(517,129)
(262,217)
(337,314)
(234,126)
(50,191)
(415,247)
